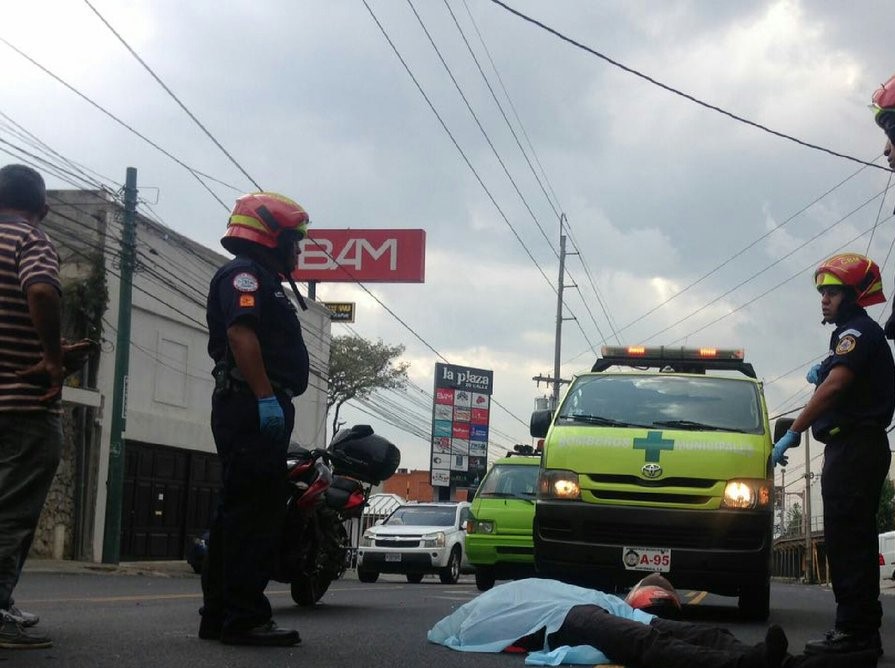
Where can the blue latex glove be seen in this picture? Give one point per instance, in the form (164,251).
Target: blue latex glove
(789,439)
(813,375)
(270,415)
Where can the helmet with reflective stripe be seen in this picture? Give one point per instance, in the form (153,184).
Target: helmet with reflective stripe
(855,271)
(654,594)
(263,218)
(884,107)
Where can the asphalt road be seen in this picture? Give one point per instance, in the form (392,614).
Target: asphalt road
(147,616)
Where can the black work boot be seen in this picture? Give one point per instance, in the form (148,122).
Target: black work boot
(866,659)
(263,634)
(843,642)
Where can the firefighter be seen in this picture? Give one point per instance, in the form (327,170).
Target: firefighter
(261,363)
(849,412)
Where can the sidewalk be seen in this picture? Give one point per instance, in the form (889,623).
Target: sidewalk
(157,568)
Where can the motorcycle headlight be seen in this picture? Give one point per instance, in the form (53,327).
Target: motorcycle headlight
(559,484)
(367,539)
(747,494)
(434,539)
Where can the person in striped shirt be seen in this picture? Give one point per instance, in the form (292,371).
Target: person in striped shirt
(31,373)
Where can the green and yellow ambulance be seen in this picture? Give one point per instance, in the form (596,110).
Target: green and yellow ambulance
(658,460)
(498,531)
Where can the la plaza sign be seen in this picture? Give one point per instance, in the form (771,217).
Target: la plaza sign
(373,256)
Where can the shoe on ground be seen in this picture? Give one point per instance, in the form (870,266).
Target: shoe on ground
(843,642)
(14,636)
(265,634)
(210,628)
(865,659)
(26,619)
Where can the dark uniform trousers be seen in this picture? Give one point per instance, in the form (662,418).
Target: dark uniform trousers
(662,643)
(855,466)
(247,527)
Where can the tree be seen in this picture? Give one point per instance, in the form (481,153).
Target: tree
(885,517)
(794,520)
(358,367)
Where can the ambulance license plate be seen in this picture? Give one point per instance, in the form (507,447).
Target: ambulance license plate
(653,559)
(393,556)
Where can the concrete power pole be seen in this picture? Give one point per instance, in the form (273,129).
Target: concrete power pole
(557,344)
(809,558)
(115,480)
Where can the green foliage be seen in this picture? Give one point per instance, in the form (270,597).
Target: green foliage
(358,367)
(794,520)
(84,302)
(885,517)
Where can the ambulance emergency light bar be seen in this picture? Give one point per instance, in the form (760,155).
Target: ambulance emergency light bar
(679,359)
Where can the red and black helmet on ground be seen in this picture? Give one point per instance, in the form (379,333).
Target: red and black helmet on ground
(267,219)
(884,108)
(854,271)
(655,595)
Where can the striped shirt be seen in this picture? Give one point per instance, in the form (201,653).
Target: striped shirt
(27,257)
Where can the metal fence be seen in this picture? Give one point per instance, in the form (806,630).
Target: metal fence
(379,506)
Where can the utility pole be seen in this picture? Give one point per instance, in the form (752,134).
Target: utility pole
(115,480)
(809,561)
(557,344)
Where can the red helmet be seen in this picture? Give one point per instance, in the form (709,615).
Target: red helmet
(884,107)
(262,217)
(654,594)
(855,271)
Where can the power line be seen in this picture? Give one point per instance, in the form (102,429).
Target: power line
(682,94)
(194,172)
(171,93)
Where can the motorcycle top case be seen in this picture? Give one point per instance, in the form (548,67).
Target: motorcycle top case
(363,455)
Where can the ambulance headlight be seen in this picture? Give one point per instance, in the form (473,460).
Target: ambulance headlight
(559,484)
(747,494)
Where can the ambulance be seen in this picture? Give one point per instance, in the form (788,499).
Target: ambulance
(658,460)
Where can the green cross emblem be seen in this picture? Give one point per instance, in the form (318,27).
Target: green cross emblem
(653,445)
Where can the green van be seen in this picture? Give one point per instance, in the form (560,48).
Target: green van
(498,531)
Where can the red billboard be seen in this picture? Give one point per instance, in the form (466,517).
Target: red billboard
(373,256)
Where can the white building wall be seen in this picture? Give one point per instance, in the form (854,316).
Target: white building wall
(169,381)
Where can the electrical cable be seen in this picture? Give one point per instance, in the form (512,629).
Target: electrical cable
(680,93)
(173,96)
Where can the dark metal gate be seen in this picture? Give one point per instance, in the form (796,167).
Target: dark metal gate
(168,498)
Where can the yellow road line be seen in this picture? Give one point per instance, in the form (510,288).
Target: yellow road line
(696,600)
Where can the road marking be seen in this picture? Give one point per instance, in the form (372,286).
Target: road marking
(696,600)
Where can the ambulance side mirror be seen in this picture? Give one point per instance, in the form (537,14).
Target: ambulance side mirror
(540,423)
(781,427)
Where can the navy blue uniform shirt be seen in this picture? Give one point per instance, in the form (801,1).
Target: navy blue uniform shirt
(245,291)
(859,344)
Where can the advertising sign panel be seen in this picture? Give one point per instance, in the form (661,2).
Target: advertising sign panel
(372,256)
(341,311)
(460,418)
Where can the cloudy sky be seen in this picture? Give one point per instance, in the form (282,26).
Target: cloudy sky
(690,227)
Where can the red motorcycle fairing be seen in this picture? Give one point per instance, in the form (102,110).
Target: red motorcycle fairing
(323,478)
(346,495)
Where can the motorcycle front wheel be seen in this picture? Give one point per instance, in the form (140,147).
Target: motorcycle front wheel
(306,591)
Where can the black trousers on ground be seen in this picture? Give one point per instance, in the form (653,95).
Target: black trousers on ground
(853,473)
(662,644)
(247,526)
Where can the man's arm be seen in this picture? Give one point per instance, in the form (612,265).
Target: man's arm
(45,309)
(825,397)
(246,351)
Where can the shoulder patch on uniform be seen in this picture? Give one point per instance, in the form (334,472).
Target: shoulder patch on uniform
(852,332)
(246,301)
(846,345)
(245,282)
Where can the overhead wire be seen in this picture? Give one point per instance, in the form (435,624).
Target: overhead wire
(197,175)
(679,93)
(171,93)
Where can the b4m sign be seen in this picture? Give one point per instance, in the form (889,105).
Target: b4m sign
(375,256)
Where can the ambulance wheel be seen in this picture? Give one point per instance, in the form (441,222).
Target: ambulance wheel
(755,602)
(484,578)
